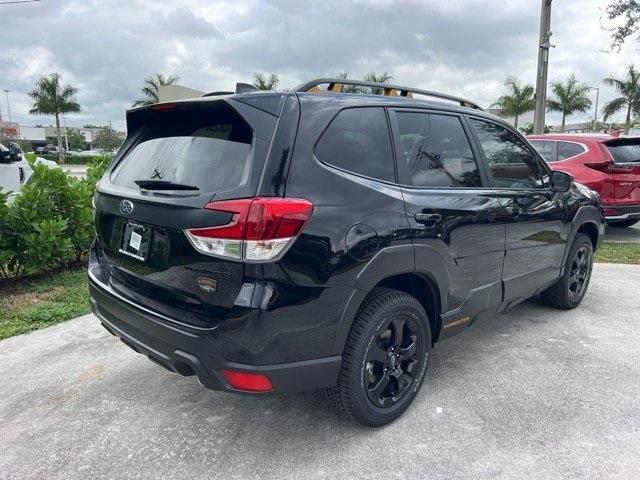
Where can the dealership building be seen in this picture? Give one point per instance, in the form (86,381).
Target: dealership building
(42,136)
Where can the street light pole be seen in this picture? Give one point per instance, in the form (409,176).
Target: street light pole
(8,105)
(543,67)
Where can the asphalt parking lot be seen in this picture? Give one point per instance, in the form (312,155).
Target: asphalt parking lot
(629,234)
(531,393)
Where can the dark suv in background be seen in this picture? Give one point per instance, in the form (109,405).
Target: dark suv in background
(278,242)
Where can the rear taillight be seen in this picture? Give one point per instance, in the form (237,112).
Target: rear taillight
(611,167)
(261,229)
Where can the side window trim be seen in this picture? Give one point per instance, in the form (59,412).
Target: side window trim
(529,148)
(314,144)
(403,175)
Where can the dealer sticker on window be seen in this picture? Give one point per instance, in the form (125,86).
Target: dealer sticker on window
(135,240)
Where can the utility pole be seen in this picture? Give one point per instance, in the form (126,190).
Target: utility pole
(8,106)
(543,67)
(595,113)
(66,140)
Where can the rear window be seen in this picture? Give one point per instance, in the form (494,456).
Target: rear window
(358,141)
(624,150)
(205,148)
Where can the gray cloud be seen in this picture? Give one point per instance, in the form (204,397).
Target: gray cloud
(107,47)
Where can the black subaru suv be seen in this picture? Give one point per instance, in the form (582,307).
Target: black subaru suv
(278,242)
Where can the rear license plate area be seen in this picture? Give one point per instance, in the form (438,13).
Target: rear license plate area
(136,241)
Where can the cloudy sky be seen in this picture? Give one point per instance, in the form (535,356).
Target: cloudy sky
(466,47)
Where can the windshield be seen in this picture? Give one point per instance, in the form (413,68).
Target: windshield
(207,149)
(624,150)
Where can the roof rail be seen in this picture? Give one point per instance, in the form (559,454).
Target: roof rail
(336,85)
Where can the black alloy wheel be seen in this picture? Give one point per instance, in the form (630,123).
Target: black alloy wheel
(392,361)
(579,273)
(384,360)
(572,286)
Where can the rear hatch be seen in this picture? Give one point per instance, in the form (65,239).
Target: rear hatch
(176,159)
(625,169)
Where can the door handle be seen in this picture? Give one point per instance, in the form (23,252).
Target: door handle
(426,218)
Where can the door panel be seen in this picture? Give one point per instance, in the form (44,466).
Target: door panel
(469,238)
(452,215)
(536,234)
(536,240)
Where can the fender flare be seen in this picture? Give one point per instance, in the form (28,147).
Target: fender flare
(389,262)
(585,214)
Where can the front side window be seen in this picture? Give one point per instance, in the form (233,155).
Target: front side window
(357,140)
(511,162)
(548,149)
(436,151)
(568,150)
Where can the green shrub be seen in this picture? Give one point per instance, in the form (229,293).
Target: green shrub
(50,223)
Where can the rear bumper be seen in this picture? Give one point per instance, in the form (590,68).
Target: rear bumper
(626,212)
(193,352)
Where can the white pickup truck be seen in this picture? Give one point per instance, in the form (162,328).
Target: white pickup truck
(15,171)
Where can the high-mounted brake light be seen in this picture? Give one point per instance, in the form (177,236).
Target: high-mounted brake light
(159,107)
(260,230)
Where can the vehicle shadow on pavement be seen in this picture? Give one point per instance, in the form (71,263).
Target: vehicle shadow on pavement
(271,421)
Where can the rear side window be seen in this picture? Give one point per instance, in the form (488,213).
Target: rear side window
(548,149)
(624,150)
(568,150)
(205,148)
(357,140)
(511,162)
(436,151)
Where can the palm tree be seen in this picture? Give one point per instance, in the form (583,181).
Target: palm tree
(51,97)
(571,97)
(378,77)
(518,99)
(629,89)
(263,82)
(347,88)
(151,88)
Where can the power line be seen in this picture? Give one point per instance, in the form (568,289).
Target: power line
(9,2)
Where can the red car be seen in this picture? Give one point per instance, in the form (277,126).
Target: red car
(604,163)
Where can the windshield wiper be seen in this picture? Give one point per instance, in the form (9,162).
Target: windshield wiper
(163,185)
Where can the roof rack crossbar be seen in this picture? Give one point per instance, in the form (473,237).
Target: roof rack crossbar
(336,85)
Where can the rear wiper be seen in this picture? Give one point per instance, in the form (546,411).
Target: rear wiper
(163,185)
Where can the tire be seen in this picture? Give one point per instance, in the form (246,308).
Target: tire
(382,371)
(570,289)
(622,223)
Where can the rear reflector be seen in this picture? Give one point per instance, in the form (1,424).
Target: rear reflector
(249,382)
(261,229)
(610,212)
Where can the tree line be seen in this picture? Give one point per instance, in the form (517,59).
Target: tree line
(51,97)
(571,96)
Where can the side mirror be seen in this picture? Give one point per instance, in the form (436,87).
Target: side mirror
(561,181)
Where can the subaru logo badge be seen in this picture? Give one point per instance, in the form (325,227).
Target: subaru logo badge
(126,207)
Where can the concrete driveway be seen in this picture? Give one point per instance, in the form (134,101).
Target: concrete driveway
(532,393)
